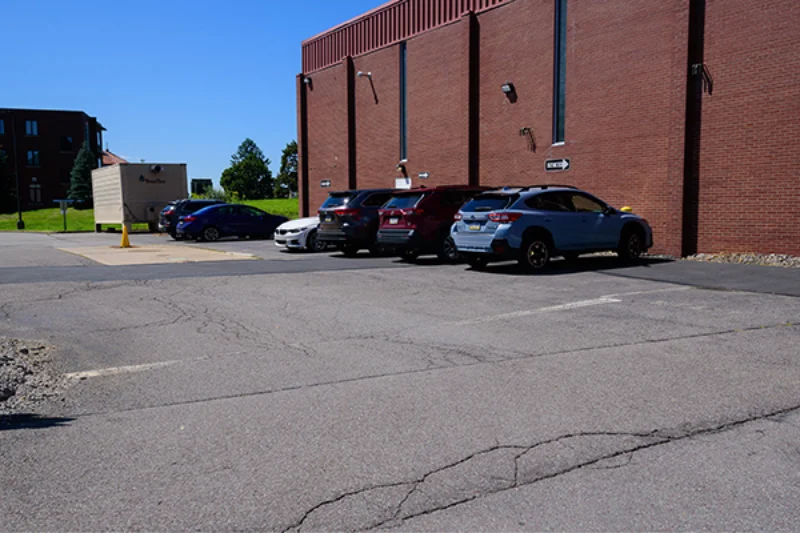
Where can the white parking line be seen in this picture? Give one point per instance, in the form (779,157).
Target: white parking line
(516,314)
(119,370)
(652,291)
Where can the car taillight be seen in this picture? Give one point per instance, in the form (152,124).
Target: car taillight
(352,213)
(504,217)
(458,216)
(412,212)
(189,218)
(169,211)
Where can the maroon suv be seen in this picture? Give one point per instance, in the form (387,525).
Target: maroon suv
(417,221)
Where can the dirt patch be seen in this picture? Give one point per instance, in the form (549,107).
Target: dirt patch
(27,375)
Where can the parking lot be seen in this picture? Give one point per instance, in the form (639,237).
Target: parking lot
(315,391)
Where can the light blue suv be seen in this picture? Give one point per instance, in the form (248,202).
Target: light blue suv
(532,224)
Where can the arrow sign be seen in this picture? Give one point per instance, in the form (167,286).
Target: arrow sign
(556,165)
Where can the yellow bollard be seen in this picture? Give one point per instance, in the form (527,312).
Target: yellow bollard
(125,242)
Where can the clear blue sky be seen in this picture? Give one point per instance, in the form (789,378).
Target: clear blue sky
(171,80)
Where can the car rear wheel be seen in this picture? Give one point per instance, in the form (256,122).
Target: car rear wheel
(210,234)
(631,245)
(313,244)
(448,251)
(535,254)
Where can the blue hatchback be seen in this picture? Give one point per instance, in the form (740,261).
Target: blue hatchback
(217,221)
(532,224)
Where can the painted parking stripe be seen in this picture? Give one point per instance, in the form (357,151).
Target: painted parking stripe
(551,309)
(113,371)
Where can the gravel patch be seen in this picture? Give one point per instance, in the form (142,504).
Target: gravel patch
(27,376)
(778,260)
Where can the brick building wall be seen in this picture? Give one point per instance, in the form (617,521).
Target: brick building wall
(55,156)
(628,88)
(749,163)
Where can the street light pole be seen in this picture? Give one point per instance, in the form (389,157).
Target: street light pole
(20,222)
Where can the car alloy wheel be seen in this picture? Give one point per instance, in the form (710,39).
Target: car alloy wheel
(210,234)
(633,246)
(537,254)
(313,244)
(448,250)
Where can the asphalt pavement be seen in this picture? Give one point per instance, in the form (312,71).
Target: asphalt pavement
(317,392)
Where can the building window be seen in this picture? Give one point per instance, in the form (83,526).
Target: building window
(32,128)
(33,158)
(2,127)
(560,71)
(66,144)
(99,162)
(99,141)
(403,102)
(35,192)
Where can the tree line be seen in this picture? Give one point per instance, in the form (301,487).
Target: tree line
(249,177)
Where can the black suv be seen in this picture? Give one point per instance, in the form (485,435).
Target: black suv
(349,219)
(168,218)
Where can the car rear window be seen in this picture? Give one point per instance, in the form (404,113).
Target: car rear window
(489,202)
(336,200)
(403,201)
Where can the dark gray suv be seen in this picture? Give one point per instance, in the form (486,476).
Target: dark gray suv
(168,218)
(349,219)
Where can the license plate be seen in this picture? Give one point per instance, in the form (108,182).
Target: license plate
(474,227)
(393,220)
(329,218)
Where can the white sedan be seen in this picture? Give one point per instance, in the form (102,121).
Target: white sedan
(300,234)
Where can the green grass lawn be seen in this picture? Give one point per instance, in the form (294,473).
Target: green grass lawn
(287,207)
(48,220)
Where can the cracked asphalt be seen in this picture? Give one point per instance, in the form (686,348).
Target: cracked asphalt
(316,392)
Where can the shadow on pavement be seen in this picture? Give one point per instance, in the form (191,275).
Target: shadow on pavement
(31,421)
(582,264)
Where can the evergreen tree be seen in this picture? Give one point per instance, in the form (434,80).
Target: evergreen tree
(249,176)
(286,182)
(80,178)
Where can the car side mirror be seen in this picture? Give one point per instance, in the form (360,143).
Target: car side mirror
(609,211)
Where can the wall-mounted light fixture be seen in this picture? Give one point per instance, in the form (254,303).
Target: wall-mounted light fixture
(508,88)
(306,80)
(362,74)
(401,167)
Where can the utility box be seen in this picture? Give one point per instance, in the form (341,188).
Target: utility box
(135,193)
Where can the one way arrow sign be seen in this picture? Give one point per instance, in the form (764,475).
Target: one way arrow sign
(555,165)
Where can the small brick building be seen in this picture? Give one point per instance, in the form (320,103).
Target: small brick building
(687,110)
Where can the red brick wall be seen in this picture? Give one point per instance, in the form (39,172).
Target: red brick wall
(750,161)
(625,72)
(327,133)
(627,65)
(377,122)
(437,106)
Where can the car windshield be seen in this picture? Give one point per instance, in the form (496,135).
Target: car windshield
(403,201)
(336,200)
(489,202)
